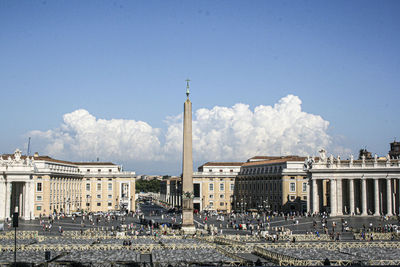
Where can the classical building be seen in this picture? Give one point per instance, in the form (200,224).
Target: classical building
(278,184)
(214,184)
(40,185)
(175,192)
(356,187)
(213,187)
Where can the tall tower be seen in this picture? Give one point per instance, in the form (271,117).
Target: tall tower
(187,167)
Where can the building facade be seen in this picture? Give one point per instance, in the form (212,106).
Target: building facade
(41,185)
(213,187)
(214,184)
(354,187)
(276,184)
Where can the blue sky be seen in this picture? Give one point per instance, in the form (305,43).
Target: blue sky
(129,60)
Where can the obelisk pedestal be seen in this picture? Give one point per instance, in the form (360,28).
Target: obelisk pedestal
(187,169)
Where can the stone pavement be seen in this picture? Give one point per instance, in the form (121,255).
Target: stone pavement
(98,242)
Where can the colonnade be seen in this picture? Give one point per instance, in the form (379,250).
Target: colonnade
(362,196)
(16,197)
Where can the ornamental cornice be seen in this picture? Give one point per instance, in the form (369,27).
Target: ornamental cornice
(16,161)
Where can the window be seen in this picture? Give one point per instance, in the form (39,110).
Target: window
(39,208)
(221,187)
(98,204)
(99,187)
(232,187)
(87,204)
(109,196)
(211,187)
(210,170)
(109,204)
(220,170)
(98,196)
(230,170)
(87,187)
(88,170)
(39,187)
(196,189)
(221,203)
(292,178)
(222,196)
(292,197)
(211,196)
(304,187)
(99,170)
(39,198)
(292,187)
(305,197)
(109,186)
(211,203)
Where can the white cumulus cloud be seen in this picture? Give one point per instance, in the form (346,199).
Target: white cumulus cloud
(220,133)
(237,133)
(83,135)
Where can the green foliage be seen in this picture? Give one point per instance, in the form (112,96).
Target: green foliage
(148,186)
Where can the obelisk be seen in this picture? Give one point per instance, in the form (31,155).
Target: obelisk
(187,168)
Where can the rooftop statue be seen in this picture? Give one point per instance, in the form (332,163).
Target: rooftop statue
(322,155)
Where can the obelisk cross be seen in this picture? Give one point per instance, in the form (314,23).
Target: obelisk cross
(187,88)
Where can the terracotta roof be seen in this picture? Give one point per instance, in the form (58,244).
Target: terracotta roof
(259,158)
(47,158)
(279,160)
(94,163)
(222,164)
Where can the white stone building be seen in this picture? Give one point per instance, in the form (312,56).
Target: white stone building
(354,187)
(41,185)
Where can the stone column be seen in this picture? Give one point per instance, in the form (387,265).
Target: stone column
(376,197)
(389,197)
(333,197)
(20,202)
(8,199)
(339,193)
(2,200)
(351,196)
(308,199)
(315,200)
(364,196)
(398,196)
(28,199)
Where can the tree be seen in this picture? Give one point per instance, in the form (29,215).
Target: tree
(148,186)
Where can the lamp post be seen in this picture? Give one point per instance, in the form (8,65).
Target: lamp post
(15,225)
